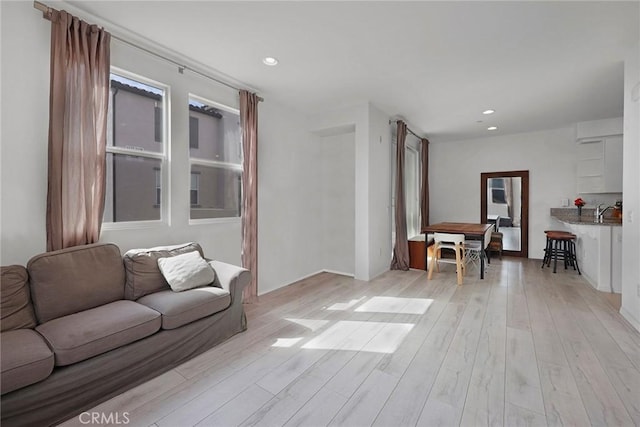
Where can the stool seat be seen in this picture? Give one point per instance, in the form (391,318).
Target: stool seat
(560,235)
(560,245)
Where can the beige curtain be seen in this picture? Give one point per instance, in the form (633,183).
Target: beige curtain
(508,195)
(400,259)
(424,187)
(78,104)
(249,123)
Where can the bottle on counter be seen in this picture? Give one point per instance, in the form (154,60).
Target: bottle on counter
(617,209)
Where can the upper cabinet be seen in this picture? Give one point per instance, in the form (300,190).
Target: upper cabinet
(600,165)
(599,156)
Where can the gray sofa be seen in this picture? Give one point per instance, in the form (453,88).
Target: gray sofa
(84,324)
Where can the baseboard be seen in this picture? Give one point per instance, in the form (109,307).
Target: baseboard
(307,276)
(341,273)
(632,320)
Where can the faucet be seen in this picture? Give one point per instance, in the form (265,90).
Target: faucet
(600,213)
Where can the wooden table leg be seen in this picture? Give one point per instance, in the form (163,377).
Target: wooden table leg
(482,259)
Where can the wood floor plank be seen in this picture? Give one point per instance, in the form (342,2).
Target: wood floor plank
(363,407)
(319,411)
(446,400)
(517,310)
(522,383)
(235,411)
(406,403)
(563,404)
(516,416)
(601,401)
(523,347)
(130,400)
(484,404)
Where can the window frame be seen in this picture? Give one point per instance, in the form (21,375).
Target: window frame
(163,155)
(214,163)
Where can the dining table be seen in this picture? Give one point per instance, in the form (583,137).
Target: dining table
(471,231)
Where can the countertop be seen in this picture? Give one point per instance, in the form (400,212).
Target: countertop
(570,216)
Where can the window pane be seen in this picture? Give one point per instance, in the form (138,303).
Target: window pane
(135,115)
(218,192)
(497,183)
(498,196)
(134,188)
(195,189)
(214,133)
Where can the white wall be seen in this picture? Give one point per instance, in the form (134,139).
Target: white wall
(337,156)
(631,189)
(23,140)
(379,203)
(289,175)
(455,168)
(372,182)
(25,76)
(289,202)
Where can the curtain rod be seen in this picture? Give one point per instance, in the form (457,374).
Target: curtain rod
(409,130)
(46,14)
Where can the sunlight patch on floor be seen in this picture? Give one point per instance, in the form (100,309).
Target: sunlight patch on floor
(286,342)
(395,305)
(375,337)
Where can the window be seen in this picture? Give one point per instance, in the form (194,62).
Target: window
(136,159)
(412,174)
(193,132)
(497,191)
(158,186)
(157,123)
(215,153)
(195,189)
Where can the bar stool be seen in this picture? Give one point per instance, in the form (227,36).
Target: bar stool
(560,245)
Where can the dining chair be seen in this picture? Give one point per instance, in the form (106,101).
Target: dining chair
(454,242)
(473,248)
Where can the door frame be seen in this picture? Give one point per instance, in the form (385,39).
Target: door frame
(524,222)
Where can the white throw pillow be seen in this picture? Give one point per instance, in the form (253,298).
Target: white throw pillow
(186,271)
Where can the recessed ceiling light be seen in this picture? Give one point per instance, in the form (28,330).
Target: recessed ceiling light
(492,128)
(488,111)
(270,61)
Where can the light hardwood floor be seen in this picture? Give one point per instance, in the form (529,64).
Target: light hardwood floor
(522,347)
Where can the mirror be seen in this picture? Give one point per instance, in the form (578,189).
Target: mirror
(504,202)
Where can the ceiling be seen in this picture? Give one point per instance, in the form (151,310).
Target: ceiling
(540,65)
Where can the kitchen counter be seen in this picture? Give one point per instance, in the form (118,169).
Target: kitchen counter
(570,216)
(598,246)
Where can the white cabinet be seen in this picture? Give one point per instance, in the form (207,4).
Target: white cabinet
(599,252)
(600,165)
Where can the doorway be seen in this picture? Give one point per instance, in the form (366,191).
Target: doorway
(504,201)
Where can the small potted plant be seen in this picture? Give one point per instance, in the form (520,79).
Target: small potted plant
(579,203)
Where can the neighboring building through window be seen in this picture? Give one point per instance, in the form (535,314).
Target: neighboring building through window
(135,150)
(195,189)
(215,153)
(498,195)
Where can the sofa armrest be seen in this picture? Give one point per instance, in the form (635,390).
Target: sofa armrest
(232,278)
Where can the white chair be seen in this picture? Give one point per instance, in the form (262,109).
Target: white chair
(454,242)
(473,248)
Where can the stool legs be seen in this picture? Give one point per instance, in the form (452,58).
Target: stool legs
(561,247)
(573,256)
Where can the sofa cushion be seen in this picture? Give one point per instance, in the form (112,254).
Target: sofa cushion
(141,265)
(75,279)
(15,301)
(25,359)
(91,332)
(180,308)
(186,271)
